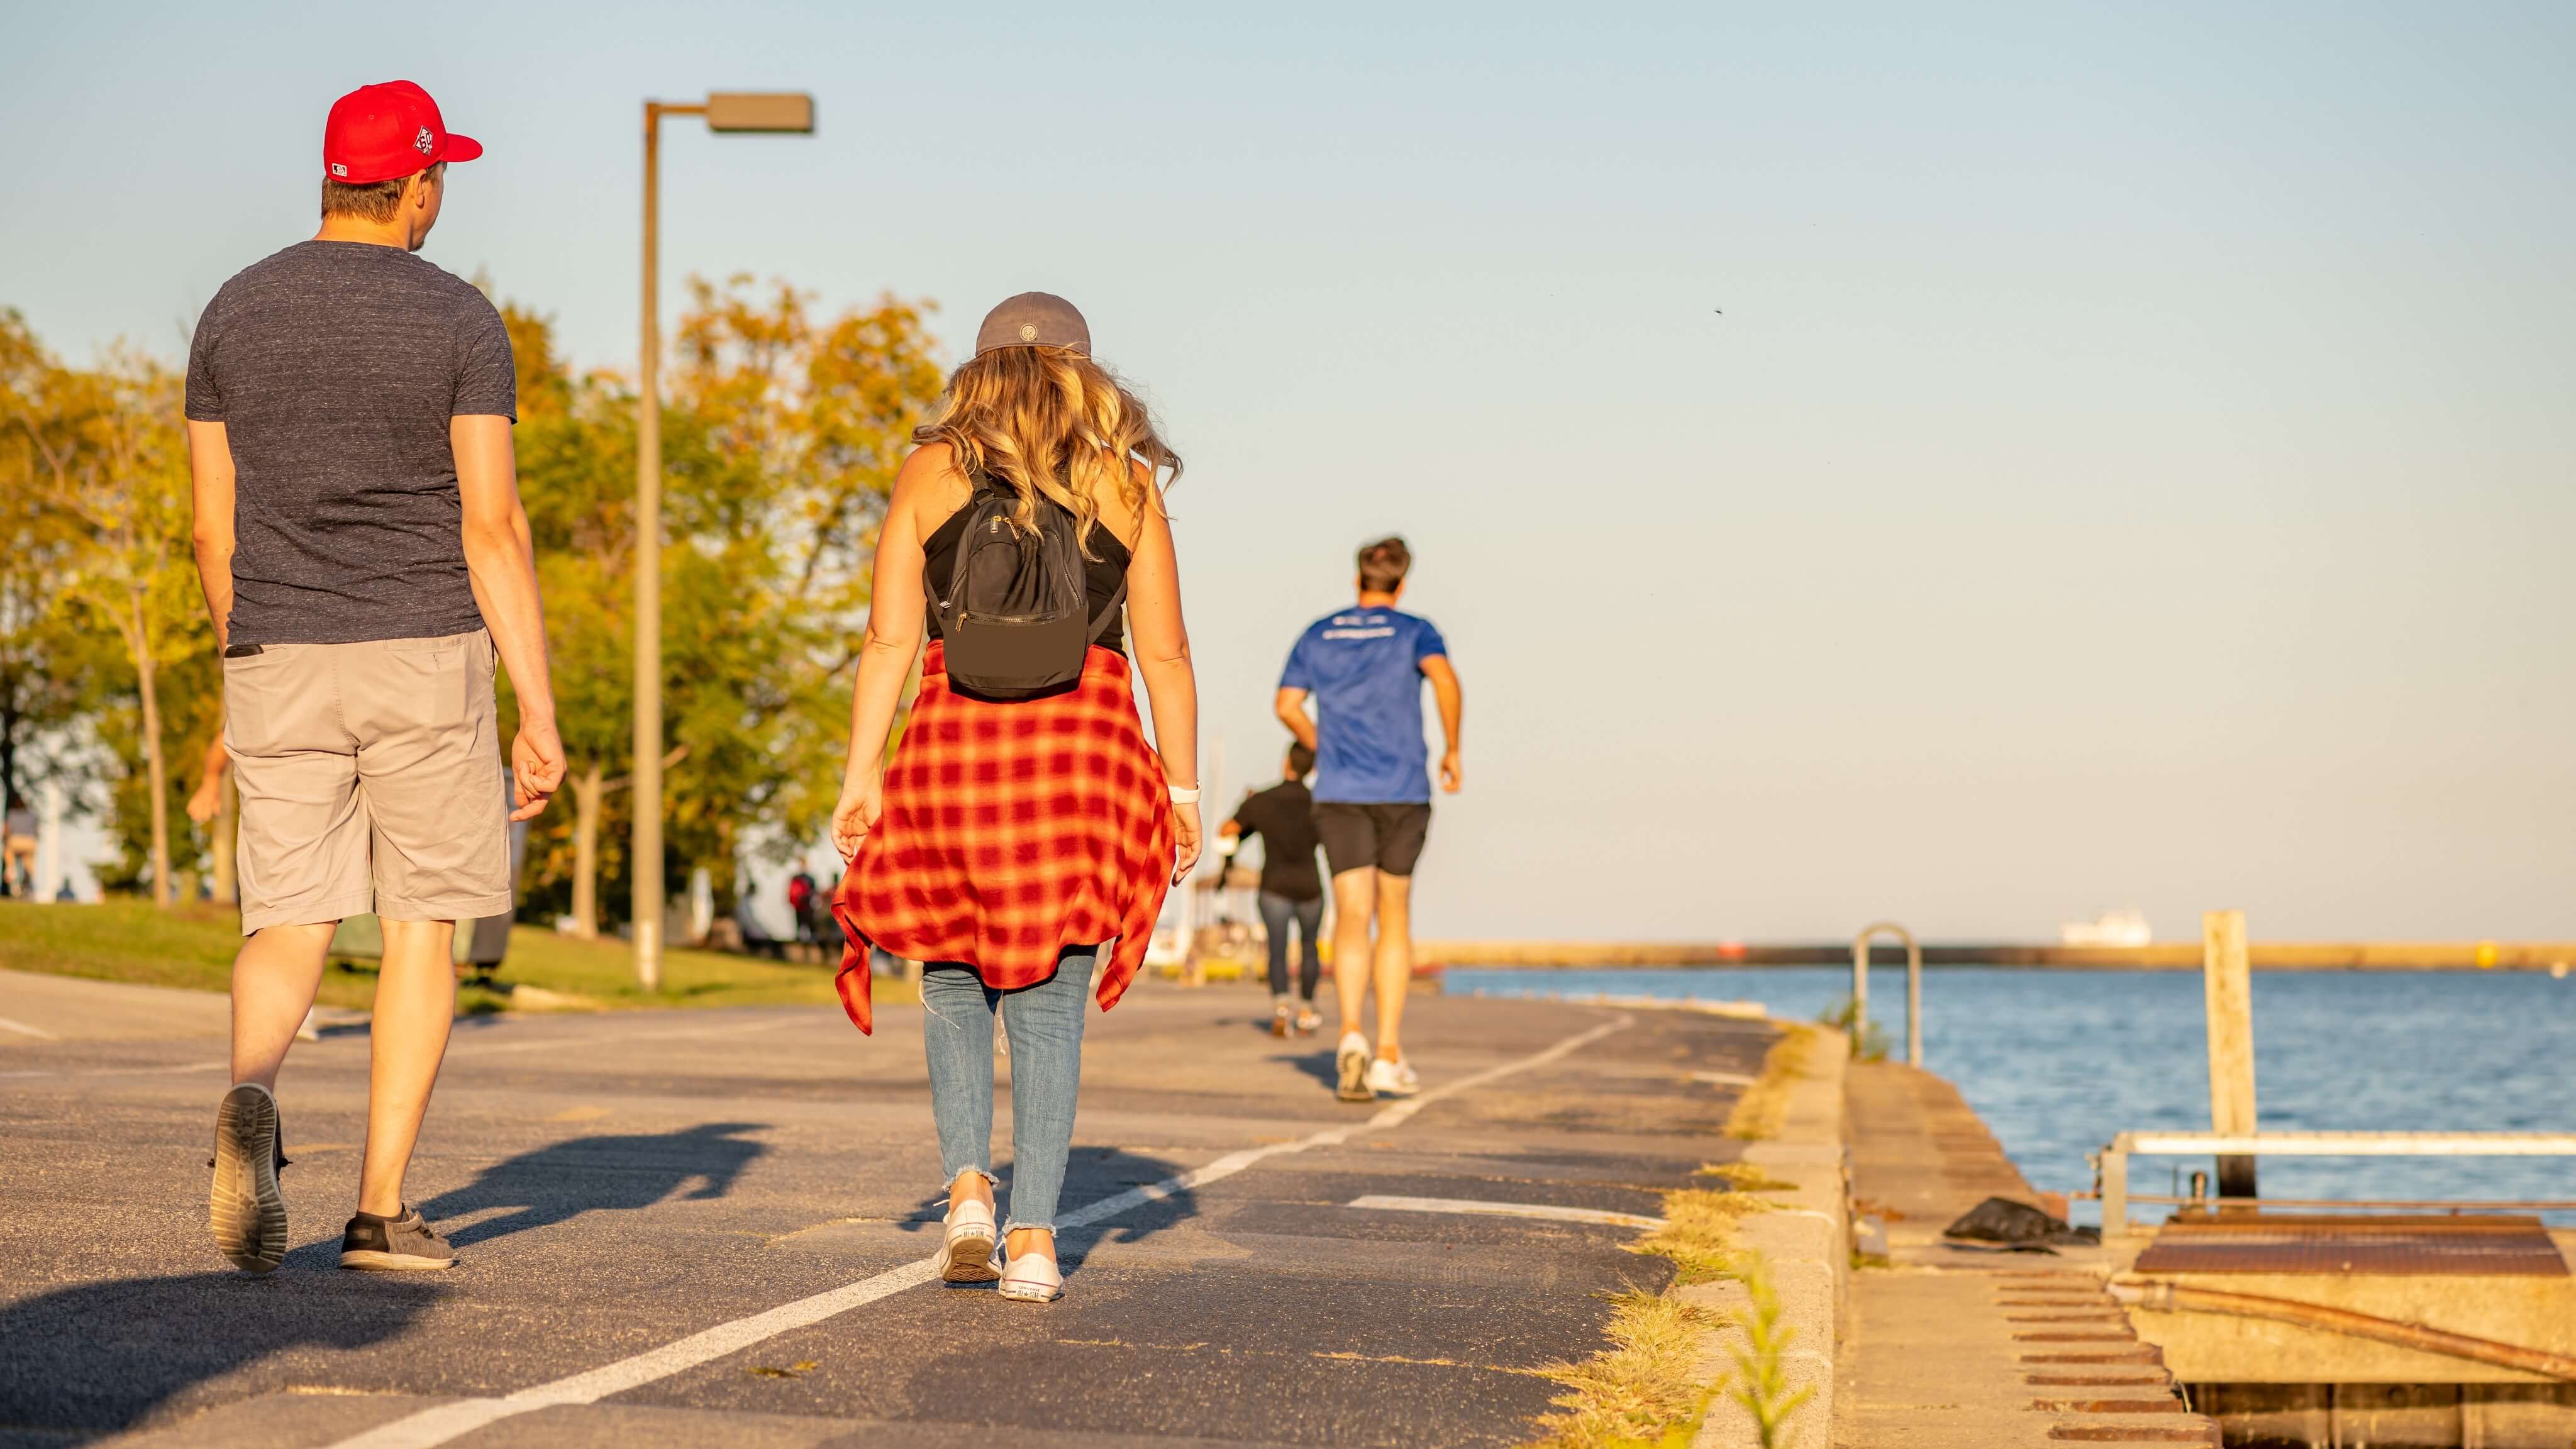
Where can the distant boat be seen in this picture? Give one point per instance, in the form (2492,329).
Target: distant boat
(2111,928)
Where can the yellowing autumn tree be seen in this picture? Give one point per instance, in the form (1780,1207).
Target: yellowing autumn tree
(780,440)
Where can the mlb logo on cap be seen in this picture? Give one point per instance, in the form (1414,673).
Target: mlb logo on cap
(386,132)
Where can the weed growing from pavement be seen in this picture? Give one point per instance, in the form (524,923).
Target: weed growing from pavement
(1761,1362)
(1765,1105)
(1745,1177)
(1642,1390)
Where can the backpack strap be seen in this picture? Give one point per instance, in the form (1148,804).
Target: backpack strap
(1108,614)
(982,485)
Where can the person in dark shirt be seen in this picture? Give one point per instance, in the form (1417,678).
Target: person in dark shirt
(367,569)
(1291,888)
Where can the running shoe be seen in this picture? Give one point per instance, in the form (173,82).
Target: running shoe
(1351,1066)
(397,1244)
(1308,1022)
(245,1210)
(1282,1018)
(1395,1079)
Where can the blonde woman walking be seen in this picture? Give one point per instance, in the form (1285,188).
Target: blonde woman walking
(1024,823)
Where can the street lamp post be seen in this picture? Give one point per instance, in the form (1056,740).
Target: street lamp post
(786,112)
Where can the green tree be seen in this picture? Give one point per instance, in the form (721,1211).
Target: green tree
(106,454)
(44,656)
(780,440)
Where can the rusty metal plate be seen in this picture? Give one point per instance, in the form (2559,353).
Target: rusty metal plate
(2397,1246)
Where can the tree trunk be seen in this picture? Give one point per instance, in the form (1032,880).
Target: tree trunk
(227,828)
(9,796)
(154,767)
(587,792)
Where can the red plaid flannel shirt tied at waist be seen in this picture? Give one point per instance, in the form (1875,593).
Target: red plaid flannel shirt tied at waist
(1011,832)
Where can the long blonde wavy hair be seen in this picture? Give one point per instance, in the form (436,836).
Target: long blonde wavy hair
(1050,422)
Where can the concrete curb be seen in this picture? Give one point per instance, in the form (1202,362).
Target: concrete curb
(1806,1245)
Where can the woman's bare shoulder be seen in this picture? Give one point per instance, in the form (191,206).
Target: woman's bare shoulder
(928,486)
(1129,523)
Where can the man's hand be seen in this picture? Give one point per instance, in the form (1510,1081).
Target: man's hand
(862,806)
(536,768)
(201,803)
(1452,774)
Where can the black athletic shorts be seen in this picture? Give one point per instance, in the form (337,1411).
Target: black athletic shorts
(1358,837)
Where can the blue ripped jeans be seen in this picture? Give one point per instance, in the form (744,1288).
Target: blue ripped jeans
(1045,1025)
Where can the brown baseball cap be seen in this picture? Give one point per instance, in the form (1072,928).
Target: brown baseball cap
(1033,319)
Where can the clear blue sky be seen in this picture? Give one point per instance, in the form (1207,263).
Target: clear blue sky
(2133,467)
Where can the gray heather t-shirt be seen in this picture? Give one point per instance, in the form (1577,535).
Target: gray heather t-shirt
(334,368)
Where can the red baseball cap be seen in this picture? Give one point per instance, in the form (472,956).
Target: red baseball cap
(386,132)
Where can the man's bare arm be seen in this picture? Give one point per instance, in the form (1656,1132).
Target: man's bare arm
(1453,709)
(501,559)
(1291,709)
(210,489)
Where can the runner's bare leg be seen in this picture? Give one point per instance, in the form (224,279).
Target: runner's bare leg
(1354,896)
(1394,960)
(415,1005)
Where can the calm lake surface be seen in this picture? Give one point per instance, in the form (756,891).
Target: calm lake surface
(2058,1061)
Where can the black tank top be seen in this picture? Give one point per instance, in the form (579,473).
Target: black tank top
(1100,576)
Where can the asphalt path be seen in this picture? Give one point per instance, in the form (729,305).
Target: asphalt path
(699,1227)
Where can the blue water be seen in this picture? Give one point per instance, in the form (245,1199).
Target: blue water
(2058,1061)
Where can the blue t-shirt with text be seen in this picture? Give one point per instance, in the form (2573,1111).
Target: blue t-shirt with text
(1364,669)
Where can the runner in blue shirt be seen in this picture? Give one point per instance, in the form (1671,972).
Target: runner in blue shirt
(1365,666)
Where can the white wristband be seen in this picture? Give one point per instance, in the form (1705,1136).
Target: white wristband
(1184,795)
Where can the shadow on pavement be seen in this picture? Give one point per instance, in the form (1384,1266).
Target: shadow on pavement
(1317,1064)
(611,1173)
(95,1359)
(1090,1174)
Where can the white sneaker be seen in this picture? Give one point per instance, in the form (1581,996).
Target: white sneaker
(1028,1278)
(970,1244)
(1395,1079)
(1351,1069)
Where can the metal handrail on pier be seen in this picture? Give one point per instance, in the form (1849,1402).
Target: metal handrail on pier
(2111,1165)
(1913,988)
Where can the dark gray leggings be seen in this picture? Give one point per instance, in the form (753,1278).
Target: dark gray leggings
(1276,913)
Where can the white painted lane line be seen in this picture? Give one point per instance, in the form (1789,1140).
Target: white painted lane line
(38,1032)
(439,1425)
(1385,1203)
(1723,1079)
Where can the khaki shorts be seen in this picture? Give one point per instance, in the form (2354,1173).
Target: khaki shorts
(370,779)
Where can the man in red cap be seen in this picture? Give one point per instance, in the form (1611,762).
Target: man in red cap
(367,564)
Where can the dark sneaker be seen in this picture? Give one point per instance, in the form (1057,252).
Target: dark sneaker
(400,1244)
(245,1210)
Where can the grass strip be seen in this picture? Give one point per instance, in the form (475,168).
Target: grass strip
(191,948)
(1765,1105)
(1646,1390)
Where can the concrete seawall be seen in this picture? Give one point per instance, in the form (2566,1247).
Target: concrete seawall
(2556,956)
(1803,1243)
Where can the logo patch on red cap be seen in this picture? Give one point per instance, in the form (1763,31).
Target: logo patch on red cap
(424,141)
